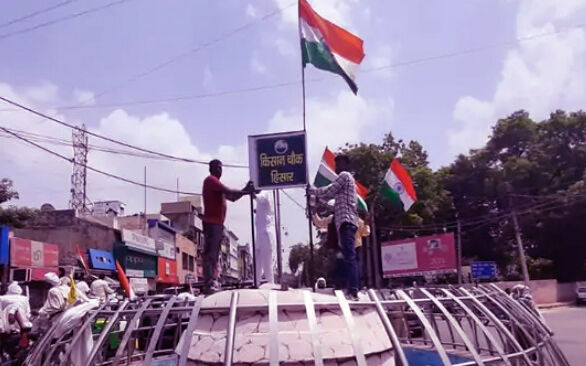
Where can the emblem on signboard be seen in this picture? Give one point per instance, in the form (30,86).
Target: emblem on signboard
(281,146)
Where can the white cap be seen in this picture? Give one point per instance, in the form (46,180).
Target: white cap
(14,289)
(52,279)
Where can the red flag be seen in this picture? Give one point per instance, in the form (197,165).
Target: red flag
(124,281)
(82,259)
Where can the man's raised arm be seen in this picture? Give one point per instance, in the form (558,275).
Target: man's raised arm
(234,194)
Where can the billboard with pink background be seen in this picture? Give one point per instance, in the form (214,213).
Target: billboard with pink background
(419,256)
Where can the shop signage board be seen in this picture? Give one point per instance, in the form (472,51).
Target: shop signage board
(135,263)
(101,259)
(35,254)
(278,160)
(4,244)
(167,271)
(432,254)
(165,249)
(139,242)
(483,270)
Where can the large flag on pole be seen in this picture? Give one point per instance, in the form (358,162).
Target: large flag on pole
(327,46)
(398,187)
(326,174)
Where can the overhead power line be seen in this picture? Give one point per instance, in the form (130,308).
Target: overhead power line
(173,157)
(110,175)
(35,13)
(194,50)
(287,83)
(62,19)
(293,200)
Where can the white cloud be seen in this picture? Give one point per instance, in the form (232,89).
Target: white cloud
(381,56)
(285,47)
(332,123)
(46,93)
(84,97)
(40,177)
(251,11)
(257,66)
(539,75)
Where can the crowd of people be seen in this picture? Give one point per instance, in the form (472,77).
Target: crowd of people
(17,322)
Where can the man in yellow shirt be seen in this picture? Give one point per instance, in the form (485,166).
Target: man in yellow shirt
(362,231)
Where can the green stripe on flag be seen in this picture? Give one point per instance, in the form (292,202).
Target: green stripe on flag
(321,181)
(317,54)
(390,194)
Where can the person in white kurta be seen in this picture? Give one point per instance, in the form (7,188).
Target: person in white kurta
(265,238)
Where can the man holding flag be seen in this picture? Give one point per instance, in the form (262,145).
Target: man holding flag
(343,191)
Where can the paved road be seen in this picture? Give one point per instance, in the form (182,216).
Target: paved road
(569,326)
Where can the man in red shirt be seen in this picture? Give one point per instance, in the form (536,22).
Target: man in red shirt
(214,200)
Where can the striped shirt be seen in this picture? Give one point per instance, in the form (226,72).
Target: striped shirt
(343,191)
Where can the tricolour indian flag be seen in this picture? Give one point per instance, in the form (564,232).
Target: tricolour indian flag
(326,174)
(327,46)
(398,186)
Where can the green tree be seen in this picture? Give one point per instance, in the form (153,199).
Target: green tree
(7,191)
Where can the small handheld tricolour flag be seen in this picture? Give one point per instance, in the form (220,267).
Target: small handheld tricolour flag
(72,296)
(124,283)
(327,46)
(326,174)
(398,187)
(81,258)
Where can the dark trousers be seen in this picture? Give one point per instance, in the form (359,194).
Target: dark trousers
(211,252)
(359,265)
(346,237)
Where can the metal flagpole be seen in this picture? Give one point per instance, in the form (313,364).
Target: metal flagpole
(311,277)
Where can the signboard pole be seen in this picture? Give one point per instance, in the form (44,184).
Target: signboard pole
(253,241)
(277,204)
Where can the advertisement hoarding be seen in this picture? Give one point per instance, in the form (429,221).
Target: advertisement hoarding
(278,160)
(419,256)
(33,254)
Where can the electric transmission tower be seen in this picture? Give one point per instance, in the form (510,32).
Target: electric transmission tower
(79,175)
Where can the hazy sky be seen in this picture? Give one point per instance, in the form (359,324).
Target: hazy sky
(440,72)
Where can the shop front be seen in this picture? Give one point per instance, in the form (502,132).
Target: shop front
(138,257)
(29,262)
(167,273)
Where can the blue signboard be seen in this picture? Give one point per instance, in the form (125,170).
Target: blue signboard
(100,259)
(278,160)
(4,230)
(483,270)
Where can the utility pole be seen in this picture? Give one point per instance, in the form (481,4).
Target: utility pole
(459,244)
(522,257)
(375,248)
(145,227)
